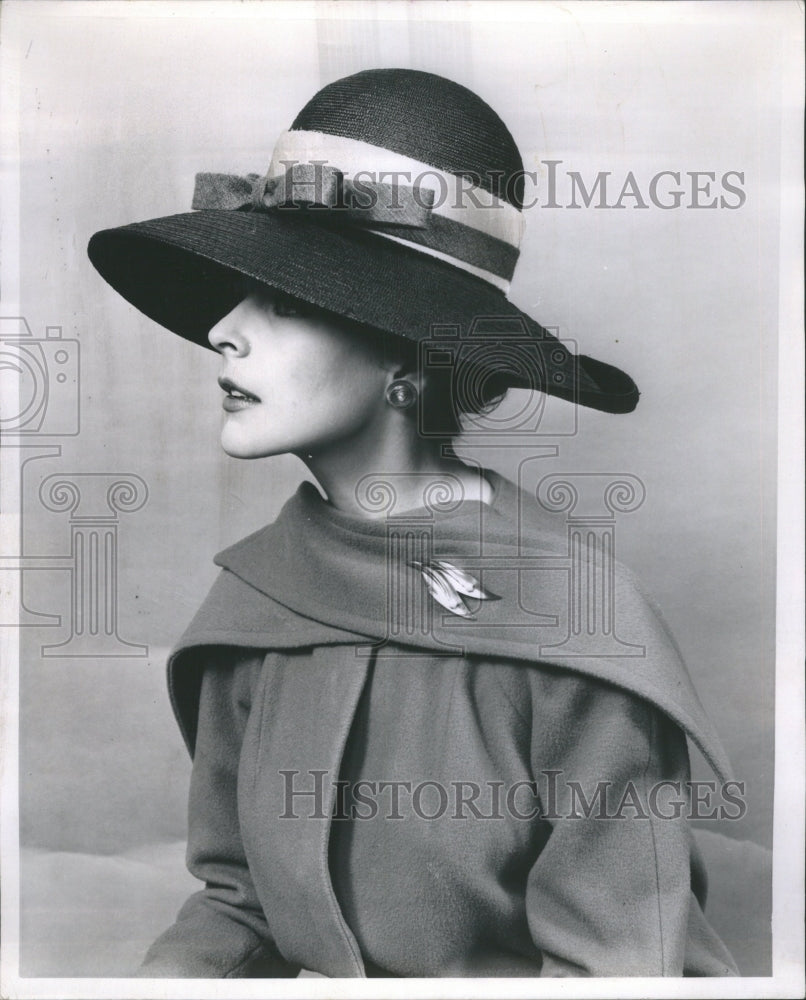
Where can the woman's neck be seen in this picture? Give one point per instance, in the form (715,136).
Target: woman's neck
(407,467)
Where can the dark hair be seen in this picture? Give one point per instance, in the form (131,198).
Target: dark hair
(450,389)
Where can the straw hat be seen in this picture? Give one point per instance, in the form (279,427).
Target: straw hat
(394,200)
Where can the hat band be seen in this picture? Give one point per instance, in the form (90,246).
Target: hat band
(440,214)
(455,197)
(456,200)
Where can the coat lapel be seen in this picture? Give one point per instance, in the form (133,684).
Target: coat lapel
(304,713)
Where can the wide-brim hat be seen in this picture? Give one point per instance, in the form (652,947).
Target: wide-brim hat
(395,201)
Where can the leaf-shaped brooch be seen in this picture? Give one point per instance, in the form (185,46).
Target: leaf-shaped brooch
(447,584)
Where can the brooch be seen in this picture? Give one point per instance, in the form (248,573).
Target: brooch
(447,582)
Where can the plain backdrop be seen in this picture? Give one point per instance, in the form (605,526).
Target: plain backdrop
(117,114)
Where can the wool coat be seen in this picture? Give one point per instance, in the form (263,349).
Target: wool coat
(383,788)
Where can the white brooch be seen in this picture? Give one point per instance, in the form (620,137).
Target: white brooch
(447,582)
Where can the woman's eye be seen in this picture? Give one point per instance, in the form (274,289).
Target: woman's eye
(284,305)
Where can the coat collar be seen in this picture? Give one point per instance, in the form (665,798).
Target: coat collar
(318,576)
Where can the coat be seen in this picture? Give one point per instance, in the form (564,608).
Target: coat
(381,788)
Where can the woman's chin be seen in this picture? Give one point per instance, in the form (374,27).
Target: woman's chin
(236,447)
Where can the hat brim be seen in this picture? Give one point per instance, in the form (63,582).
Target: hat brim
(180,271)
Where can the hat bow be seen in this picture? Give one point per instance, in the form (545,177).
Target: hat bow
(318,186)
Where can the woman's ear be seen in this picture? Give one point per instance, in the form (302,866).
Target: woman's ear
(408,372)
(403,371)
(401,360)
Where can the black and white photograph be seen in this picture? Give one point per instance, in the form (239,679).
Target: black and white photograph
(402,498)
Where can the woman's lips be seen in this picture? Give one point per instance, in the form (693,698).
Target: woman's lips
(233,403)
(237,398)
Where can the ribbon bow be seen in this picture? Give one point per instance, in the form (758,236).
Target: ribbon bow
(317,186)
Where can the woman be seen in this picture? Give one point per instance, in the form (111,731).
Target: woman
(406,759)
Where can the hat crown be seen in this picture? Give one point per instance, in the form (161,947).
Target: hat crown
(425,117)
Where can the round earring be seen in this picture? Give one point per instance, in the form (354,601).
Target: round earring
(401,394)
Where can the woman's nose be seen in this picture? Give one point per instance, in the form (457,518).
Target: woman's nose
(228,335)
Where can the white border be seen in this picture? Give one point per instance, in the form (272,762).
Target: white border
(10,517)
(788,876)
(790,762)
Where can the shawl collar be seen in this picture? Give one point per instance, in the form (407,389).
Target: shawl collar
(317,576)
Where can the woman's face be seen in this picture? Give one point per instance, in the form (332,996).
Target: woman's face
(294,382)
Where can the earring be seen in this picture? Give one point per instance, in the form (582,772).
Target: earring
(401,394)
